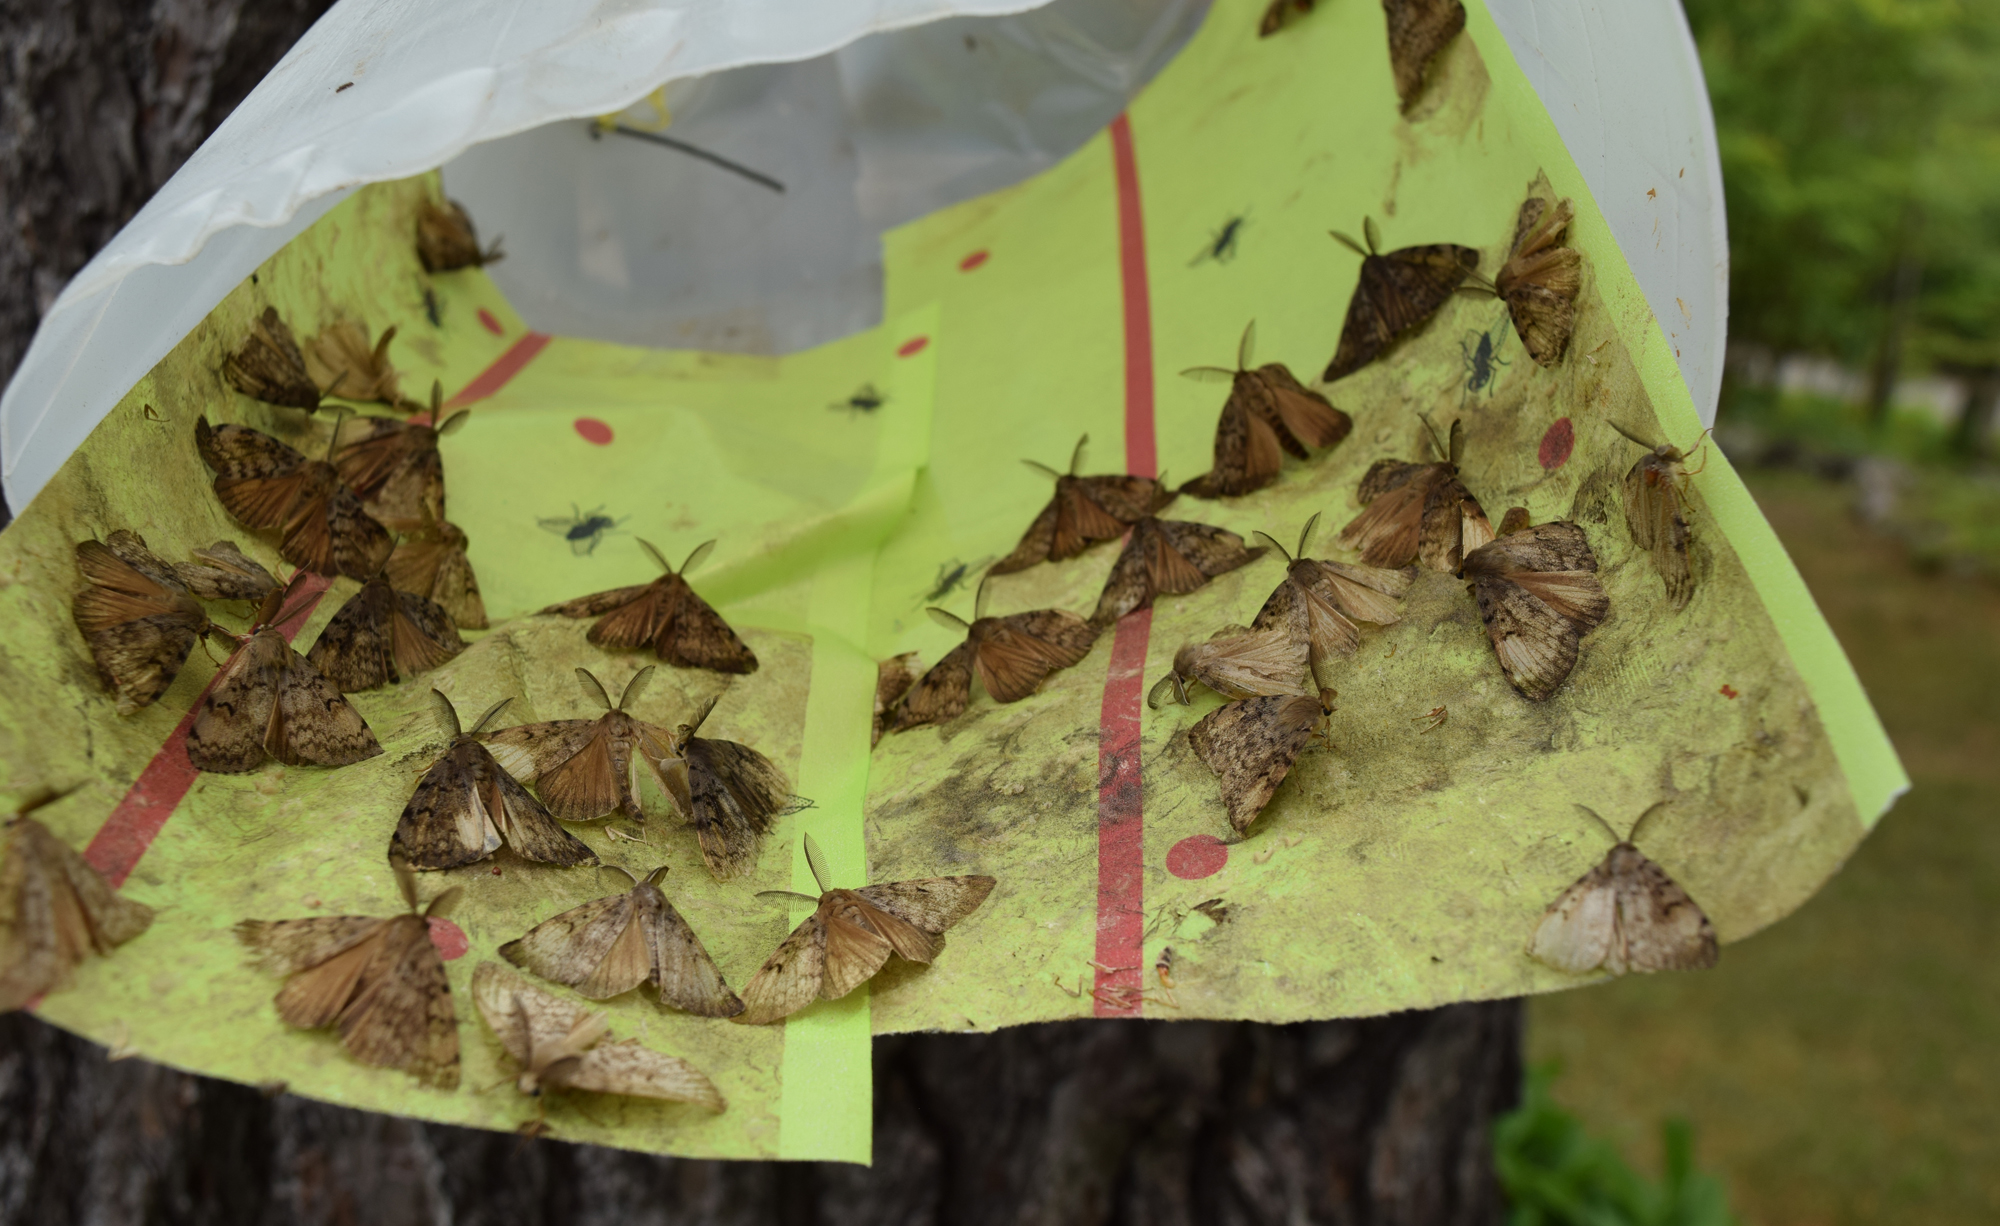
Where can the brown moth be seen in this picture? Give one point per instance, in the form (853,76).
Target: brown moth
(1541,278)
(1084,511)
(1624,915)
(431,562)
(1418,513)
(54,911)
(269,367)
(1268,411)
(1318,602)
(265,484)
(223,572)
(1012,656)
(893,679)
(1277,13)
(851,934)
(379,980)
(734,794)
(267,701)
(136,615)
(1396,293)
(1538,594)
(609,946)
(341,358)
(590,768)
(1235,664)
(446,240)
(381,636)
(666,613)
(395,466)
(1167,557)
(1418,30)
(1655,516)
(1251,745)
(466,806)
(560,1046)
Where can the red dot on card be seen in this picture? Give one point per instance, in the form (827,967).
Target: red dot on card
(487,321)
(593,430)
(1729,691)
(972,261)
(1197,856)
(1557,442)
(912,347)
(449,938)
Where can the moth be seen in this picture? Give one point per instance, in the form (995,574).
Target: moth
(1396,293)
(54,910)
(666,613)
(559,1046)
(1268,411)
(1418,30)
(379,980)
(223,572)
(1277,13)
(1655,517)
(269,367)
(467,805)
(1419,513)
(395,466)
(1251,745)
(268,701)
(1318,602)
(589,768)
(340,358)
(381,636)
(265,484)
(1012,656)
(1538,594)
(447,241)
(431,562)
(851,934)
(893,679)
(1235,664)
(136,615)
(1163,557)
(1085,510)
(1624,915)
(1541,278)
(609,946)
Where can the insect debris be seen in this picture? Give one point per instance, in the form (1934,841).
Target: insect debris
(582,529)
(1251,745)
(667,615)
(55,910)
(1396,294)
(1625,914)
(1538,594)
(1432,720)
(1167,557)
(1418,512)
(1268,412)
(1083,511)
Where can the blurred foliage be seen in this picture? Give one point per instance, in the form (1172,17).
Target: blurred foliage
(1856,135)
(1555,1174)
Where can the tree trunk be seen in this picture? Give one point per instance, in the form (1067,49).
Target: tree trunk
(1905,282)
(1383,1121)
(1975,411)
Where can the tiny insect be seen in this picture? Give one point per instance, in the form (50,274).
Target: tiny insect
(1221,245)
(864,400)
(582,529)
(1433,719)
(951,577)
(431,307)
(1483,363)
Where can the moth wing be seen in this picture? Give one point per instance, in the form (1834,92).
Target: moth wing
(312,538)
(1441,531)
(1574,594)
(35,955)
(1284,610)
(315,725)
(526,825)
(457,589)
(232,722)
(422,635)
(628,1068)
(1127,587)
(1659,926)
(735,791)
(686,976)
(225,572)
(495,991)
(893,678)
(1365,593)
(1328,631)
(587,785)
(354,650)
(1653,514)
(1576,932)
(370,451)
(1418,30)
(402,1016)
(1251,745)
(854,952)
(1309,416)
(1261,662)
(526,751)
(1014,654)
(1211,551)
(319,994)
(448,821)
(932,904)
(269,367)
(414,493)
(1537,646)
(1080,520)
(1389,530)
(943,693)
(236,452)
(581,948)
(790,978)
(1385,475)
(905,939)
(1367,329)
(1247,454)
(1423,278)
(287,946)
(599,603)
(695,636)
(1127,499)
(1035,544)
(1544,317)
(140,659)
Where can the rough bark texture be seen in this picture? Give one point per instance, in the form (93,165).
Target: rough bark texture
(1381,1122)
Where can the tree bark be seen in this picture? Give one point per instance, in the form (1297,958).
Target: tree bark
(1905,283)
(1382,1121)
(1976,410)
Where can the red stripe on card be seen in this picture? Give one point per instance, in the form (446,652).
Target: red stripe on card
(124,837)
(1121,827)
(504,368)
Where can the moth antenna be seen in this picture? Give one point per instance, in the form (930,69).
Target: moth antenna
(1357,248)
(1479,284)
(816,861)
(593,689)
(447,714)
(1044,469)
(1457,442)
(1247,346)
(437,400)
(452,424)
(1633,837)
(979,598)
(333,444)
(1606,826)
(41,798)
(277,606)
(695,556)
(1305,533)
(700,717)
(654,551)
(658,875)
(1076,457)
(636,686)
(491,712)
(337,381)
(949,621)
(1631,437)
(1273,542)
(1430,430)
(1208,374)
(620,868)
(406,881)
(443,903)
(789,895)
(1373,235)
